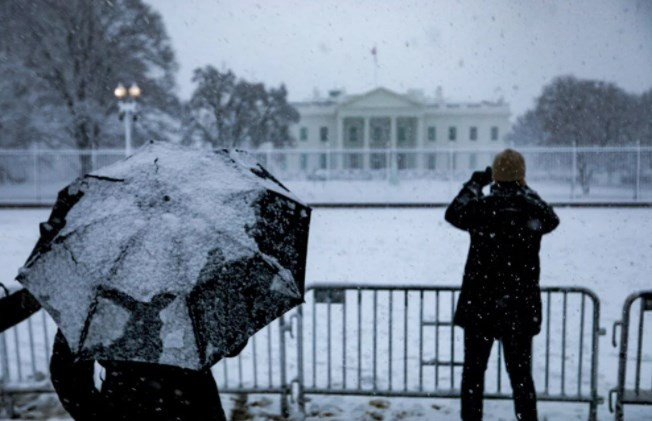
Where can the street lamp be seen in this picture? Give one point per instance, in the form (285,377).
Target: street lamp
(127,105)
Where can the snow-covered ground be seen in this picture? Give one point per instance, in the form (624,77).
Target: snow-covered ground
(606,250)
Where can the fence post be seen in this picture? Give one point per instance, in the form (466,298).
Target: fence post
(4,358)
(329,160)
(637,190)
(93,159)
(300,374)
(595,339)
(451,171)
(573,169)
(268,158)
(283,367)
(394,178)
(387,164)
(6,404)
(35,173)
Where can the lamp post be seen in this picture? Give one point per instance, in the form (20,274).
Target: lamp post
(128,108)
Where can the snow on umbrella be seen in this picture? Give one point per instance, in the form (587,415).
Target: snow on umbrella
(172,256)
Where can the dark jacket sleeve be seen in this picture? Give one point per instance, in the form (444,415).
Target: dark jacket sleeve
(73,382)
(16,307)
(464,212)
(546,217)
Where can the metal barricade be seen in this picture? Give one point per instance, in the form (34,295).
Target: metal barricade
(632,391)
(367,340)
(399,341)
(25,352)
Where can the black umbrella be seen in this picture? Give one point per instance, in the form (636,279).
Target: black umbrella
(172,256)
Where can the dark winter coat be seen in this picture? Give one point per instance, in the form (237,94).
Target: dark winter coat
(133,391)
(500,289)
(16,307)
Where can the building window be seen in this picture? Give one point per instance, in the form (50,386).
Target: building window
(323,161)
(378,161)
(353,131)
(304,161)
(473,133)
(303,134)
(353,134)
(405,161)
(432,133)
(378,134)
(406,132)
(401,134)
(380,131)
(355,161)
(323,134)
(494,133)
(452,133)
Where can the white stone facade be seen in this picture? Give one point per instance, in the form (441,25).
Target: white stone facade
(381,128)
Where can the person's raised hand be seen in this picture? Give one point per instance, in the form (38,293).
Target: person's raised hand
(482,178)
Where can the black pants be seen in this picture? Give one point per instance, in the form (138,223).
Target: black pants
(518,360)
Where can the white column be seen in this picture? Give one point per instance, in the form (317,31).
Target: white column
(392,164)
(421,142)
(338,142)
(366,142)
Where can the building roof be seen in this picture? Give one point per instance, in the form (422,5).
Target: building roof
(385,98)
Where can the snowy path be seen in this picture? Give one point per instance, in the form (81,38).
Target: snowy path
(606,250)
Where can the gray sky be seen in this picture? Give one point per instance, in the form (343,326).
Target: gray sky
(475,50)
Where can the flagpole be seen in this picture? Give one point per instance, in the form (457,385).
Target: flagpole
(374,52)
(375,72)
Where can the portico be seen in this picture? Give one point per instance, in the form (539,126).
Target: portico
(382,128)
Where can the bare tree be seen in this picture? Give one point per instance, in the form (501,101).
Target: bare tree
(573,111)
(226,112)
(76,51)
(527,130)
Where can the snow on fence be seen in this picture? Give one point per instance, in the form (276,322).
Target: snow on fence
(367,340)
(633,364)
(564,173)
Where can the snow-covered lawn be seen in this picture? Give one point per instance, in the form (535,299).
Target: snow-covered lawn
(606,250)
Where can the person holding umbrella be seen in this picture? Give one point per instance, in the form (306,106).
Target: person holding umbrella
(158,266)
(500,297)
(16,307)
(132,390)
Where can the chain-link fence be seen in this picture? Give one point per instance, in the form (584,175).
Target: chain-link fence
(598,174)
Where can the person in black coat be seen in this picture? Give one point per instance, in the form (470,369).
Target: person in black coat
(500,296)
(16,307)
(133,391)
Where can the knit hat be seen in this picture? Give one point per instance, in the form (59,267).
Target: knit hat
(509,165)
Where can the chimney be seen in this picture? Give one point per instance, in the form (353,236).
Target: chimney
(439,95)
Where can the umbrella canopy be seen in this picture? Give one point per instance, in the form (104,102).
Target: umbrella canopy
(171,256)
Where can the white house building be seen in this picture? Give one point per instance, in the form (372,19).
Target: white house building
(381,129)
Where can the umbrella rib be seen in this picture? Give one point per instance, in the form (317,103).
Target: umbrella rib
(79,230)
(103,178)
(72,255)
(123,252)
